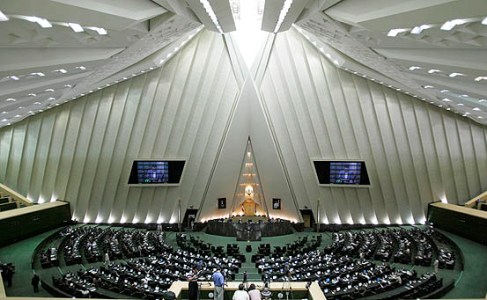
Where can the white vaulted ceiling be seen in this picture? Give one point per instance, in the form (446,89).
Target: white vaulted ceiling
(42,67)
(375,80)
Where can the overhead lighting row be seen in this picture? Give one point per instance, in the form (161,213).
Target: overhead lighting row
(44,23)
(447,26)
(41,74)
(451,75)
(211,14)
(431,71)
(282,15)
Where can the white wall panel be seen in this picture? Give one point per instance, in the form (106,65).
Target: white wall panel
(308,109)
(415,153)
(82,151)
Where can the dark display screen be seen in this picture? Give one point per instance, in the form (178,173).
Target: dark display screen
(156,172)
(342,172)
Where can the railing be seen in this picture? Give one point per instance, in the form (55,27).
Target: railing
(5,191)
(473,203)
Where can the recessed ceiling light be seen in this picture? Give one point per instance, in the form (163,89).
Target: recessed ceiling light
(412,68)
(44,23)
(99,30)
(40,74)
(454,74)
(432,71)
(481,78)
(68,85)
(395,32)
(81,68)
(476,109)
(3,17)
(13,77)
(460,104)
(428,86)
(76,27)
(446,99)
(18,116)
(484,21)
(37,103)
(482,100)
(444,91)
(419,29)
(49,90)
(449,25)
(51,98)
(4,120)
(4,112)
(32,94)
(480,117)
(10,99)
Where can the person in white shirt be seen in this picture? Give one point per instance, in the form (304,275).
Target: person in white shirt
(240,294)
(254,293)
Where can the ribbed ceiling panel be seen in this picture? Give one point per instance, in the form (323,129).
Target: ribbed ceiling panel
(415,153)
(82,151)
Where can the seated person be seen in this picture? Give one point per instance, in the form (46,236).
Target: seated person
(254,293)
(240,294)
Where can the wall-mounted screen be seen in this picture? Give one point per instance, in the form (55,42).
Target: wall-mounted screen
(348,173)
(156,172)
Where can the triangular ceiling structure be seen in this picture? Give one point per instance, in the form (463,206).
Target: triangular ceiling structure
(406,45)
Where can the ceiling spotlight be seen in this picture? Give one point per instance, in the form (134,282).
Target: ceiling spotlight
(76,27)
(428,86)
(49,90)
(412,68)
(10,100)
(432,71)
(32,94)
(13,77)
(82,68)
(476,109)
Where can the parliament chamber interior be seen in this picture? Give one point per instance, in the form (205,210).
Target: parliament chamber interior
(270,149)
